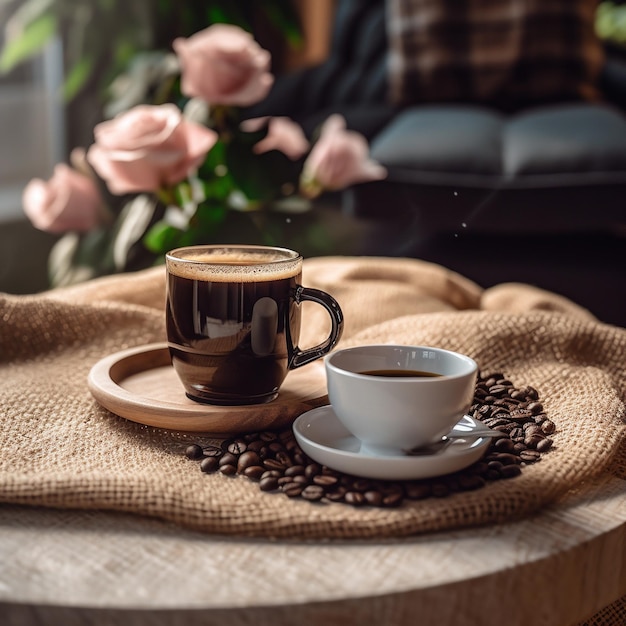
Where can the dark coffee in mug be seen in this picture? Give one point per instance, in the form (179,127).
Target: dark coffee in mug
(233,321)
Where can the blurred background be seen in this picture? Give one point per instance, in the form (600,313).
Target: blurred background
(57,63)
(59,58)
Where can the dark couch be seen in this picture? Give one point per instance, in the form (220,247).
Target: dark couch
(535,194)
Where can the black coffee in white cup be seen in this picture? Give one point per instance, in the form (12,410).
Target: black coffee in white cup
(233,320)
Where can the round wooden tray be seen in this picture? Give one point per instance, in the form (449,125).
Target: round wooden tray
(141,385)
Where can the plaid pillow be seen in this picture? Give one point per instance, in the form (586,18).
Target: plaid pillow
(509,53)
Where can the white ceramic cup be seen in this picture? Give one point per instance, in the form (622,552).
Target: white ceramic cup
(392,414)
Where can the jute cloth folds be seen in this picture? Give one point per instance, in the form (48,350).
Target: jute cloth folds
(60,448)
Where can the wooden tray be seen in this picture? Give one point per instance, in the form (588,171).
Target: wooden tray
(141,385)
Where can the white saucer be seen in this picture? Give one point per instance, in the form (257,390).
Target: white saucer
(325,439)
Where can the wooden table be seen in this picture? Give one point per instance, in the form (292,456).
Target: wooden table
(90,567)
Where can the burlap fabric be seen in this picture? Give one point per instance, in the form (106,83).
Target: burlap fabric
(60,448)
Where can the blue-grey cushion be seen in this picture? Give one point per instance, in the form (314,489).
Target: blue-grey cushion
(479,147)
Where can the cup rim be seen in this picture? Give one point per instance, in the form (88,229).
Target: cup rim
(469,361)
(175,255)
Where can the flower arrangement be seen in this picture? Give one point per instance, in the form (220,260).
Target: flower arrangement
(163,173)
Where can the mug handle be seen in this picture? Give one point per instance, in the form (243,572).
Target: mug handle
(302,357)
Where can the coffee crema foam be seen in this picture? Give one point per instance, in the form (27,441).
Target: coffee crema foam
(242,266)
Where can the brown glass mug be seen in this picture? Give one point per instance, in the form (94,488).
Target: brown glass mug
(233,320)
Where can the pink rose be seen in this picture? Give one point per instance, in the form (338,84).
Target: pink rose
(147,148)
(283,134)
(339,158)
(223,64)
(67,201)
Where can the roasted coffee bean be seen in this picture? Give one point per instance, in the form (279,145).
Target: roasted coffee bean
(361,484)
(275,460)
(313,492)
(247,459)
(301,479)
(418,491)
(534,440)
(228,469)
(336,494)
(255,445)
(373,498)
(391,499)
(346,480)
(504,445)
(273,464)
(194,451)
(388,487)
(271,474)
(529,456)
(531,428)
(518,394)
(312,469)
(299,458)
(507,459)
(509,471)
(480,467)
(268,436)
(520,415)
(292,490)
(291,445)
(228,459)
(356,498)
(284,480)
(213,451)
(294,470)
(468,482)
(497,389)
(254,472)
(516,433)
(495,422)
(239,446)
(544,445)
(440,490)
(324,480)
(284,458)
(268,483)
(209,464)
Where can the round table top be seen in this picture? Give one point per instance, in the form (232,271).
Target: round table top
(557,567)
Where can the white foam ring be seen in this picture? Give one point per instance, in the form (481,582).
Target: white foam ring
(233,266)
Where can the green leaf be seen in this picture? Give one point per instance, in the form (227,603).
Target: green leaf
(162,237)
(209,215)
(261,177)
(283,15)
(227,13)
(32,40)
(77,77)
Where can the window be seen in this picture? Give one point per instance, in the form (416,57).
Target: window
(31,126)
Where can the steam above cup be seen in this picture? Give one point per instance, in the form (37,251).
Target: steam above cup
(394,398)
